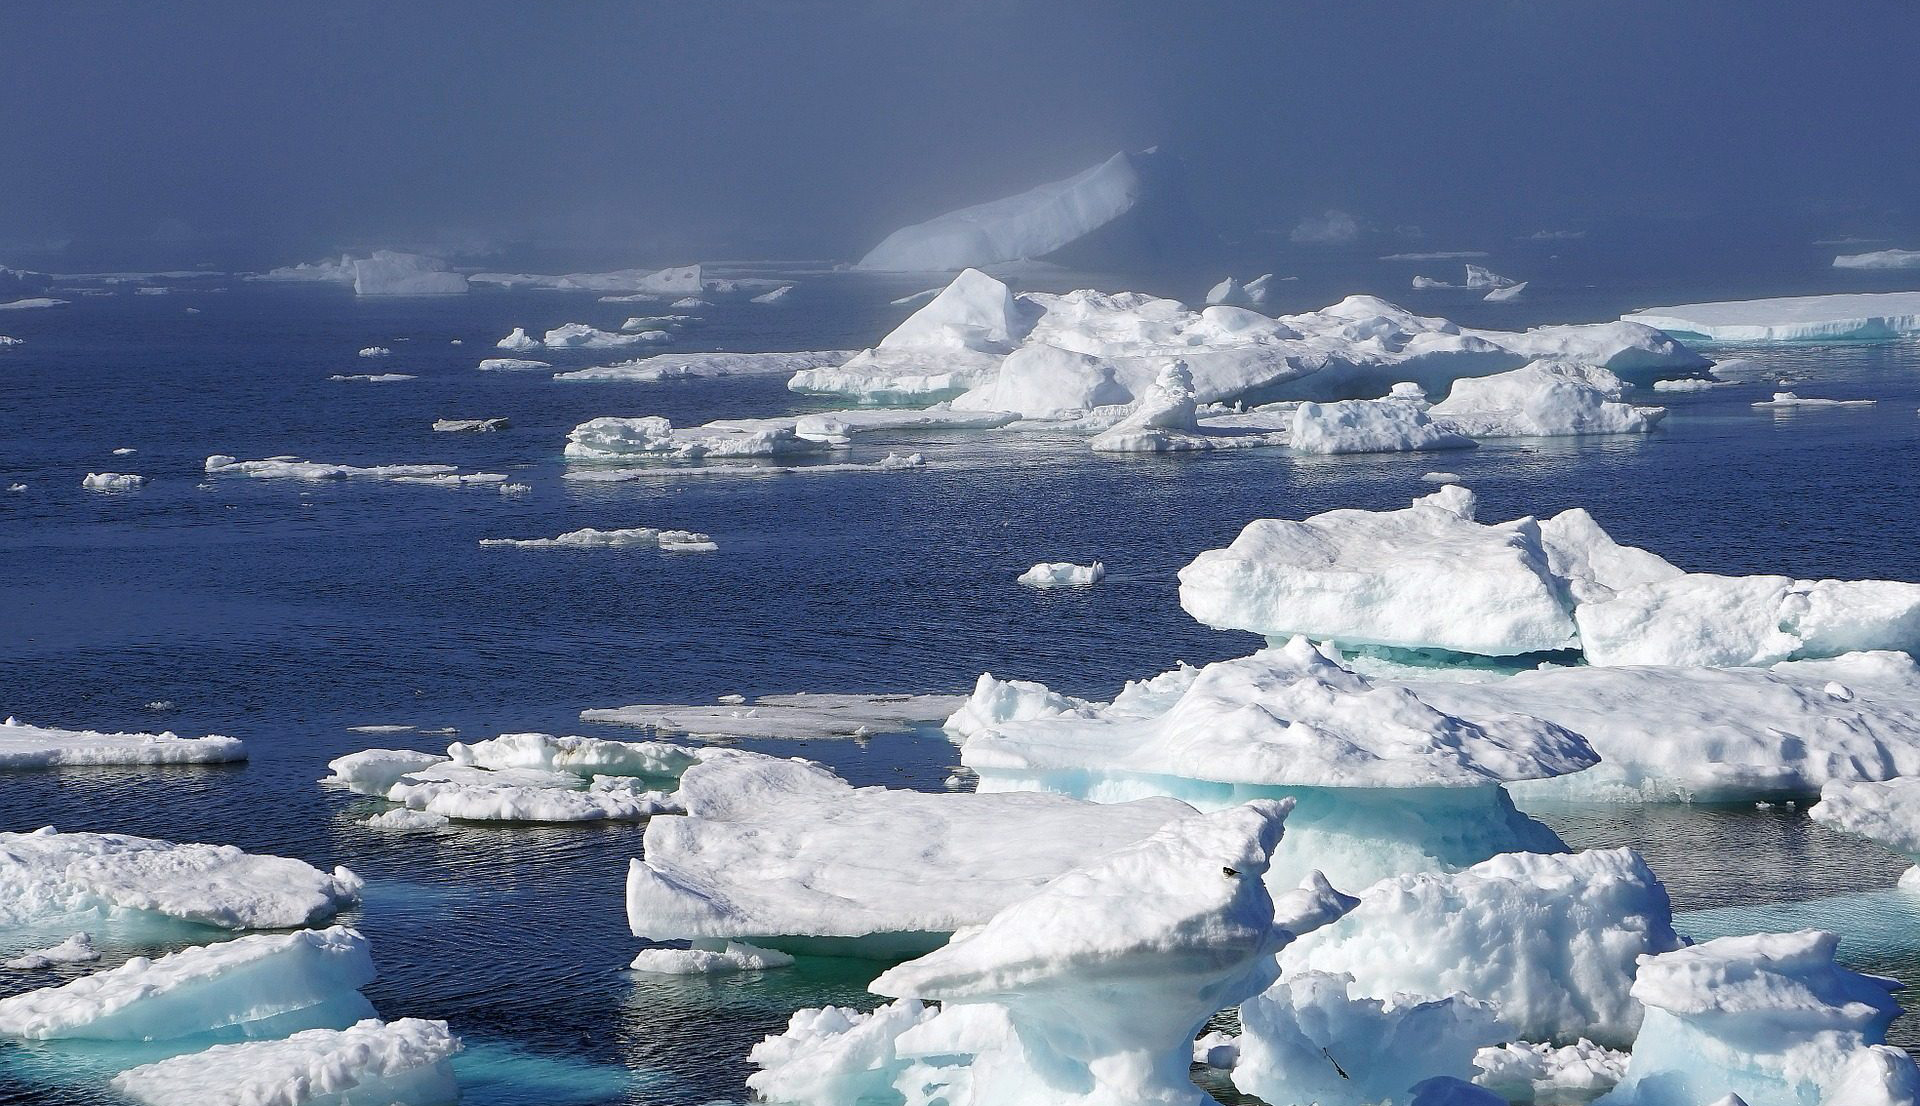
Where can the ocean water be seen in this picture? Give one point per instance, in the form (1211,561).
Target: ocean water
(286,612)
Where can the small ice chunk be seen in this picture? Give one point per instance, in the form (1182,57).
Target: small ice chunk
(402,820)
(1395,424)
(112,482)
(672,541)
(469,426)
(1217,1050)
(403,1063)
(778,295)
(77,949)
(605,439)
(1522,1071)
(373,378)
(376,351)
(1441,477)
(690,303)
(373,771)
(519,341)
(1789,399)
(1886,811)
(734,956)
(1063,574)
(32,302)
(1507,294)
(512,364)
(124,451)
(25,746)
(515,490)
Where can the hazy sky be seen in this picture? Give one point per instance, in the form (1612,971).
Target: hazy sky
(811,128)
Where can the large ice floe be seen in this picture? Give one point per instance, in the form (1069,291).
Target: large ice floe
(1090,990)
(28,746)
(1027,226)
(1551,941)
(1771,1018)
(1054,356)
(71,879)
(1887,811)
(783,853)
(371,1062)
(1383,782)
(257,986)
(526,777)
(798,716)
(1790,318)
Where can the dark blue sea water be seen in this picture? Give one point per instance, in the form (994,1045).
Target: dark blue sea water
(285,612)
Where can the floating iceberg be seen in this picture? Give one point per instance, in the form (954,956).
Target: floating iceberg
(783,852)
(25,746)
(1307,1041)
(614,439)
(1788,399)
(293,468)
(1879,259)
(1771,1018)
(1398,423)
(891,463)
(1550,941)
(1383,782)
(1063,574)
(77,949)
(31,303)
(403,1063)
(328,271)
(683,278)
(732,957)
(1506,294)
(1791,318)
(376,351)
(1165,419)
(47,874)
(1543,399)
(799,717)
(583,336)
(247,987)
(678,366)
(373,378)
(1887,811)
(469,426)
(674,541)
(778,295)
(512,364)
(1698,618)
(391,273)
(1540,1073)
(519,341)
(112,482)
(955,342)
(1030,225)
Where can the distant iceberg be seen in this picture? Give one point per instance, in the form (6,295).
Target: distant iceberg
(1790,318)
(1879,259)
(382,273)
(1027,226)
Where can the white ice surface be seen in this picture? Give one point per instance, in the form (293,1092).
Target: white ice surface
(1541,399)
(799,716)
(1879,259)
(512,364)
(1887,811)
(371,1063)
(112,482)
(584,336)
(77,949)
(775,848)
(293,468)
(614,439)
(1389,425)
(1788,400)
(1791,318)
(391,273)
(1522,1071)
(675,541)
(26,746)
(469,426)
(678,366)
(732,956)
(1063,574)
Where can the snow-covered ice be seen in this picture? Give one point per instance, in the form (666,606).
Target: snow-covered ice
(772,849)
(584,336)
(376,351)
(733,956)
(1772,1018)
(955,342)
(1063,574)
(1699,618)
(112,482)
(398,1063)
(1390,425)
(1887,811)
(1384,783)
(1550,941)
(77,949)
(512,364)
(1791,318)
(1543,398)
(47,874)
(674,541)
(27,746)
(241,987)
(1029,225)
(676,366)
(615,439)
(798,717)
(1521,1071)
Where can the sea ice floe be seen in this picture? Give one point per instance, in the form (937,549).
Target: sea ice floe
(1551,941)
(26,746)
(1690,384)
(1879,259)
(1542,399)
(469,426)
(1384,783)
(77,949)
(1063,574)
(1791,318)
(584,336)
(1397,423)
(403,820)
(1887,811)
(673,541)
(402,1062)
(778,295)
(614,439)
(512,364)
(1029,225)
(1772,1018)
(391,273)
(112,482)
(247,987)
(676,366)
(733,956)
(32,302)
(293,468)
(48,875)
(784,852)
(1789,399)
(799,716)
(1309,1041)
